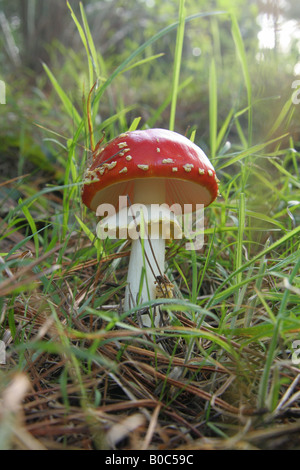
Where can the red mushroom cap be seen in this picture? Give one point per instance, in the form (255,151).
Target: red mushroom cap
(159,154)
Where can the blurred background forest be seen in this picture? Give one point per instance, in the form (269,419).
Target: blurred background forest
(33,32)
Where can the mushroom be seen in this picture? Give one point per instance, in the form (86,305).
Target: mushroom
(153,169)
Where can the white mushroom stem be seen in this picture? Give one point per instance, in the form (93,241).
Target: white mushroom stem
(146,192)
(142,260)
(157,224)
(149,225)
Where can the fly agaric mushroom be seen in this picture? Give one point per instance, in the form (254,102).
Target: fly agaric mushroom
(150,167)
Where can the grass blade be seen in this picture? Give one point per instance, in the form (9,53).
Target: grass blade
(239,44)
(68,105)
(273,247)
(90,42)
(239,247)
(84,42)
(213,109)
(150,41)
(33,228)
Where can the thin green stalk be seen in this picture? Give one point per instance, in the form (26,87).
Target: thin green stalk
(177,62)
(239,245)
(207,258)
(85,43)
(33,228)
(69,192)
(239,43)
(258,284)
(240,290)
(213,109)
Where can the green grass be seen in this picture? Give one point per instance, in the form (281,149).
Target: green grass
(83,366)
